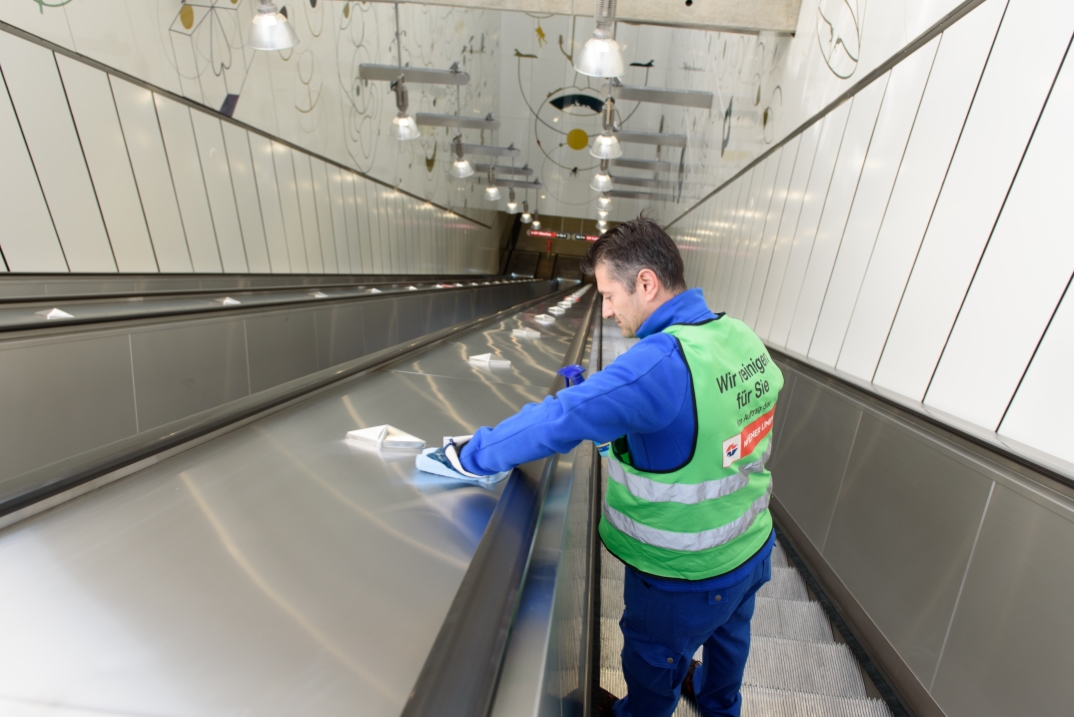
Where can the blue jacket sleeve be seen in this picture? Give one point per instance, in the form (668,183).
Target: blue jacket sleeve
(641,392)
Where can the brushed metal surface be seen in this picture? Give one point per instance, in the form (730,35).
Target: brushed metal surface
(185,368)
(281,347)
(340,334)
(786,395)
(1012,639)
(815,441)
(59,399)
(902,532)
(276,570)
(381,328)
(533,362)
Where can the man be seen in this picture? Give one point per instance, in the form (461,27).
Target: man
(689,410)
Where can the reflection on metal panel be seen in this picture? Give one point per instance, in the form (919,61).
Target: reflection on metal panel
(908,510)
(281,347)
(178,132)
(138,119)
(94,111)
(340,334)
(40,102)
(814,446)
(51,411)
(180,370)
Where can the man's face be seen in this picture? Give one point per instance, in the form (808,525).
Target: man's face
(627,308)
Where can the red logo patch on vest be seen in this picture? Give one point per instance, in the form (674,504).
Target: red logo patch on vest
(743,444)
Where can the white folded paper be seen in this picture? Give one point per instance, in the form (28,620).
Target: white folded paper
(412,288)
(228,301)
(526,333)
(565,304)
(544,319)
(50,314)
(317,295)
(386,437)
(556,310)
(374,291)
(487,361)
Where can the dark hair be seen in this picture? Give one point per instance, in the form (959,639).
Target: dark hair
(635,245)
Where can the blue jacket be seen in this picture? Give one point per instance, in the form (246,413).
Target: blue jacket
(645,394)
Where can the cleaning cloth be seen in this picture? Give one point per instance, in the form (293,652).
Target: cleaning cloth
(445,462)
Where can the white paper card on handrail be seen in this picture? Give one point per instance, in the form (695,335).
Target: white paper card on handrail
(317,295)
(375,291)
(556,310)
(526,333)
(228,301)
(565,304)
(487,361)
(544,319)
(50,314)
(385,437)
(412,288)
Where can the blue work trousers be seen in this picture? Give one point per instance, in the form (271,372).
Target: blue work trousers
(663,629)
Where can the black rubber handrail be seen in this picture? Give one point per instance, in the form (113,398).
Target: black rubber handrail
(53,479)
(460,674)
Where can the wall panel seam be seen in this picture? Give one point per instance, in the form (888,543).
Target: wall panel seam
(962,585)
(171,175)
(231,181)
(932,213)
(999,215)
(33,164)
(85,161)
(205,188)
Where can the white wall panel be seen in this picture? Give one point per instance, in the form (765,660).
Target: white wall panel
(40,102)
(218,188)
(361,250)
(90,99)
(268,197)
(788,157)
(753,250)
(960,59)
(820,177)
(307,205)
(292,215)
(1026,267)
(901,101)
(741,217)
(1040,414)
(833,220)
(339,223)
(325,226)
(183,158)
(350,220)
(750,212)
(737,196)
(138,120)
(237,144)
(1020,71)
(28,240)
(373,213)
(788,225)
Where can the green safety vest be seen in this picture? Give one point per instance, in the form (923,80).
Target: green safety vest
(710,515)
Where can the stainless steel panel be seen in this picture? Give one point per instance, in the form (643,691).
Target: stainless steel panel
(281,347)
(1012,640)
(275,570)
(413,316)
(187,367)
(783,403)
(533,362)
(61,398)
(808,466)
(381,328)
(340,332)
(902,532)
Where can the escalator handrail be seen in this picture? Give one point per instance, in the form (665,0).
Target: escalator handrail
(460,674)
(56,478)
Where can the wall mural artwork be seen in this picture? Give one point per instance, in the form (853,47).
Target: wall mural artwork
(839,29)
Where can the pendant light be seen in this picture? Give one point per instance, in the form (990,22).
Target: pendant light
(492,192)
(526,216)
(600,56)
(602,182)
(270,30)
(604,201)
(403,126)
(536,223)
(602,226)
(602,213)
(461,167)
(512,205)
(606,146)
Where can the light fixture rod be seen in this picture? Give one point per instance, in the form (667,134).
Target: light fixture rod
(652,165)
(417,75)
(660,96)
(657,138)
(642,182)
(429,120)
(500,169)
(486,150)
(628,194)
(517,184)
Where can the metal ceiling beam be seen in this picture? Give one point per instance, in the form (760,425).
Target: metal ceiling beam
(517,184)
(679,98)
(418,75)
(627,194)
(500,169)
(486,150)
(618,180)
(658,138)
(744,16)
(653,165)
(428,120)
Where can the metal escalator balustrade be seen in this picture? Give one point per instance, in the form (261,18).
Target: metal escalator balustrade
(796,668)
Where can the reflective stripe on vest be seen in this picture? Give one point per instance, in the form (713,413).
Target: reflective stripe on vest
(688,493)
(689,542)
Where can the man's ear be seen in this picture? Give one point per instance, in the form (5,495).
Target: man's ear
(648,284)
